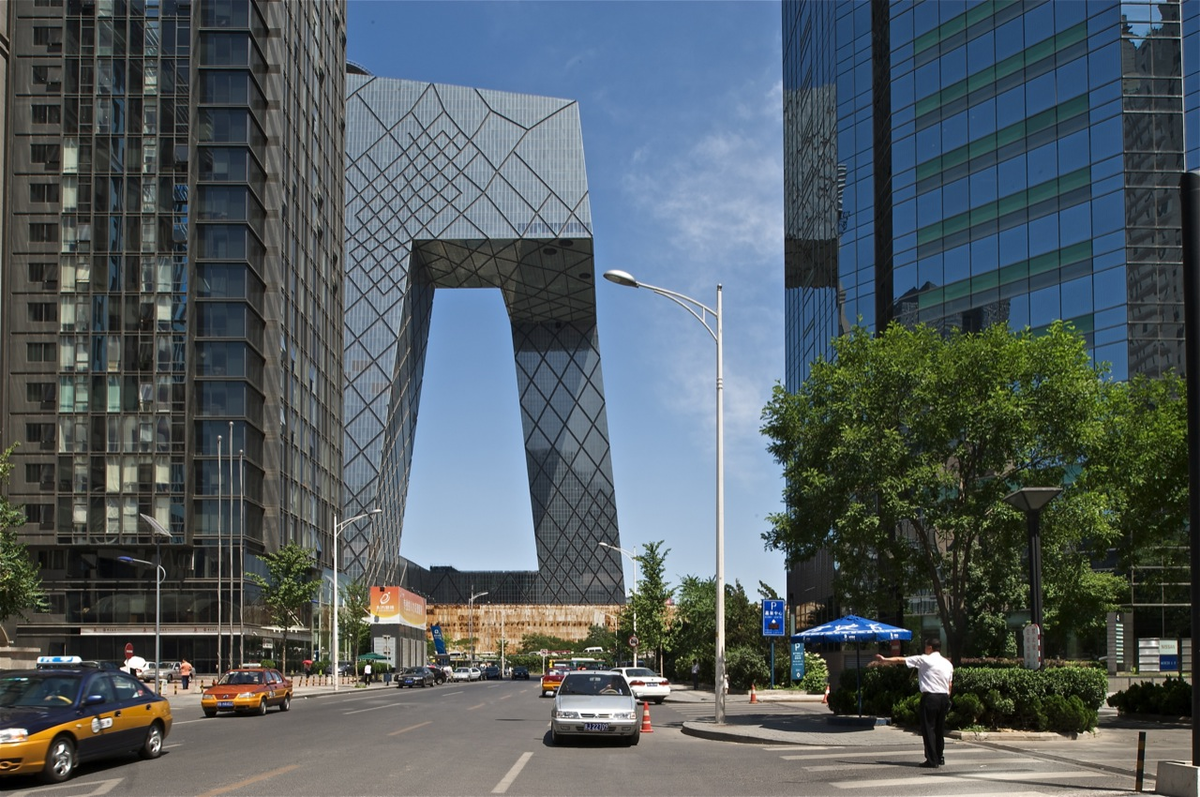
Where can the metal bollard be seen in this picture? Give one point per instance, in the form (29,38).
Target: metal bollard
(1141,761)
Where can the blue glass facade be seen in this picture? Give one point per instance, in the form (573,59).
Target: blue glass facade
(960,164)
(451,187)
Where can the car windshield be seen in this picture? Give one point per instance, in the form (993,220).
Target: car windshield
(241,678)
(414,671)
(641,672)
(594,685)
(46,691)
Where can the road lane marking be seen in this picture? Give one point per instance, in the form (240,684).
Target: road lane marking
(248,781)
(99,788)
(868,754)
(508,779)
(373,708)
(955,762)
(477,705)
(447,694)
(410,728)
(967,777)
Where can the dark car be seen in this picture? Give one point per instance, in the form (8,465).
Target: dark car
(53,719)
(520,673)
(491,673)
(416,676)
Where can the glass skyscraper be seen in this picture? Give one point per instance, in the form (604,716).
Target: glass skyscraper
(172,320)
(960,164)
(452,187)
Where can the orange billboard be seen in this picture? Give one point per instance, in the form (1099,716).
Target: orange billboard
(397,605)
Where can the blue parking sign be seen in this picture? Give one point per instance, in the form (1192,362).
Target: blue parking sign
(772,618)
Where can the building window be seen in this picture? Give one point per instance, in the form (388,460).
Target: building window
(41,474)
(45,273)
(47,114)
(41,434)
(43,311)
(48,76)
(43,192)
(40,393)
(41,514)
(48,36)
(44,153)
(43,232)
(40,353)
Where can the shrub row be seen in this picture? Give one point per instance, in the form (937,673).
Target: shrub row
(1062,699)
(1172,698)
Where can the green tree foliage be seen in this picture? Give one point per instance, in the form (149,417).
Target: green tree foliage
(20,584)
(352,618)
(650,598)
(532,643)
(898,452)
(291,588)
(694,631)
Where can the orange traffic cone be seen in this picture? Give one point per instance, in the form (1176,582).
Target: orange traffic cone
(646,718)
(753,694)
(825,699)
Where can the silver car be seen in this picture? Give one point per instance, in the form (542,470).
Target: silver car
(595,703)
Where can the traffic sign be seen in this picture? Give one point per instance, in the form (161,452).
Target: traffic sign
(633,642)
(128,649)
(772,617)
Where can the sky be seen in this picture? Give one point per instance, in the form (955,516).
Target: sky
(681,108)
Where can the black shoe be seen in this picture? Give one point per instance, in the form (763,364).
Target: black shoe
(941,762)
(928,765)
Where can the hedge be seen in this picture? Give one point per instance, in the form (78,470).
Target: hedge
(1062,699)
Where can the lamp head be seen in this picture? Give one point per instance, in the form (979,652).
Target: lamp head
(621,278)
(125,559)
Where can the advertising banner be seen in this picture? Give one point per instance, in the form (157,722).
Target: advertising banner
(439,642)
(397,606)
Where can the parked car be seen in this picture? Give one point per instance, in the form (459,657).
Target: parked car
(247,690)
(416,676)
(646,683)
(467,674)
(491,673)
(169,670)
(520,673)
(49,719)
(595,703)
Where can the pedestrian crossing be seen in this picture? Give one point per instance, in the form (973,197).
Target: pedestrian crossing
(882,768)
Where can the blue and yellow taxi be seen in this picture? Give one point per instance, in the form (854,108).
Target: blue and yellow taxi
(58,716)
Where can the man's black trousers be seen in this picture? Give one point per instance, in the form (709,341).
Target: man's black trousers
(933,710)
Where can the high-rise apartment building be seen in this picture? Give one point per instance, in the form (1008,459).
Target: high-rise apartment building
(966,163)
(171,313)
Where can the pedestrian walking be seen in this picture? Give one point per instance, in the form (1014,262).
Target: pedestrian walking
(695,675)
(185,673)
(935,675)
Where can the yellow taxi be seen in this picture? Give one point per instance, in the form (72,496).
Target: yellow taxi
(247,690)
(54,718)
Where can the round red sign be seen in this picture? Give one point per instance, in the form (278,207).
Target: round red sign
(128,649)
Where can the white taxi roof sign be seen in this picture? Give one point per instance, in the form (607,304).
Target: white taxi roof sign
(59,660)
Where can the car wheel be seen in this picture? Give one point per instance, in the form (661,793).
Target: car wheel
(262,707)
(555,737)
(60,760)
(635,738)
(153,745)
(286,704)
(658,701)
(208,712)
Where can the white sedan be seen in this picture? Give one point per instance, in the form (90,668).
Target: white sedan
(467,674)
(646,683)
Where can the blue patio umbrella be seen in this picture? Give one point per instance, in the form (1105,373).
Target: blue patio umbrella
(853,628)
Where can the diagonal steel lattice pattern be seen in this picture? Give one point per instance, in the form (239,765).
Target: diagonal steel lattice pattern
(452,187)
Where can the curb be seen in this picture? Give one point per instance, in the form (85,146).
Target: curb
(709,731)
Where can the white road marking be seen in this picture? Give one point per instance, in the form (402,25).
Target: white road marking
(508,779)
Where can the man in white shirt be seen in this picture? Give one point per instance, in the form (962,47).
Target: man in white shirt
(934,676)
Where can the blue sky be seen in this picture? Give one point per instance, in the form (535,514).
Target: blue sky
(682,126)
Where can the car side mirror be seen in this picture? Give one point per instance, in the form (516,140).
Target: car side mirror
(93,700)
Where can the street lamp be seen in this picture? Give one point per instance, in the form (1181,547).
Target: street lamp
(337,532)
(162,573)
(471,623)
(633,558)
(1031,501)
(701,312)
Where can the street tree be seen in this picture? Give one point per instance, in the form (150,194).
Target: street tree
(354,628)
(20,584)
(898,451)
(291,588)
(650,599)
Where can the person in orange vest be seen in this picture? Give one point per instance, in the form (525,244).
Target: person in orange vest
(185,672)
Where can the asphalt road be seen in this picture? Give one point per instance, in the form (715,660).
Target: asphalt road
(493,738)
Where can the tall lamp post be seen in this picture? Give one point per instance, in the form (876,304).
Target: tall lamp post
(1031,501)
(633,558)
(337,532)
(471,623)
(701,312)
(161,574)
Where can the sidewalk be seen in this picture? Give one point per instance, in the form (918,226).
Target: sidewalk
(787,718)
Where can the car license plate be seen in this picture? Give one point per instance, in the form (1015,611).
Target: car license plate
(595,726)
(224,704)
